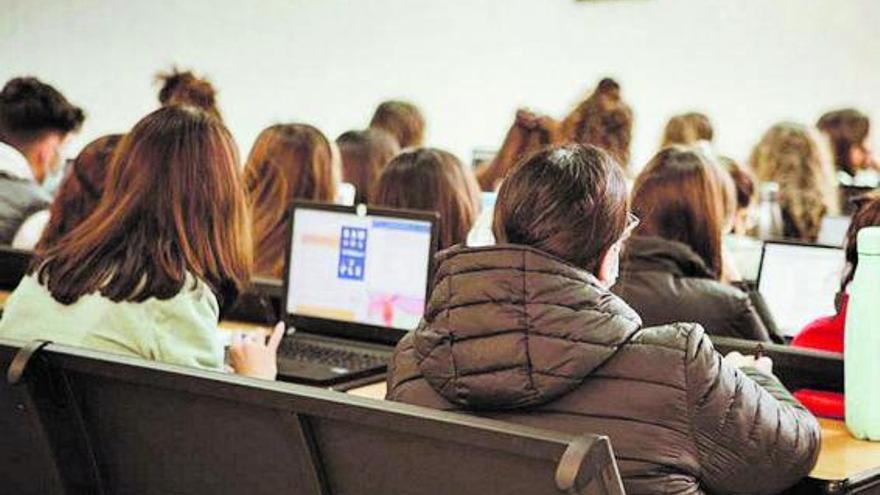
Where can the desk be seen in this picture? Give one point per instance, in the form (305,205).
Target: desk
(844,464)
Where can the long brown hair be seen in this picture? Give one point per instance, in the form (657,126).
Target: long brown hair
(867,215)
(569,201)
(791,156)
(364,154)
(287,162)
(846,128)
(81,189)
(603,120)
(678,197)
(401,119)
(433,180)
(529,133)
(173,205)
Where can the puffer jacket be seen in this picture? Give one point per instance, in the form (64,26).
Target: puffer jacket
(515,334)
(19,199)
(667,282)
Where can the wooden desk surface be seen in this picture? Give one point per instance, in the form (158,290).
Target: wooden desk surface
(841,457)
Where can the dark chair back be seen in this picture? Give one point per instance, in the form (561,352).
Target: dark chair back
(151,428)
(796,368)
(13,266)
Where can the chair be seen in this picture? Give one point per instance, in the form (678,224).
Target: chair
(90,422)
(13,266)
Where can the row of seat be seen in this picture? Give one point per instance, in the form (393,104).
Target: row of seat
(79,421)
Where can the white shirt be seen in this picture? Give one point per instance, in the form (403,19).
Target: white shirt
(14,164)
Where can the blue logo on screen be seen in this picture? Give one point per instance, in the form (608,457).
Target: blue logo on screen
(352,253)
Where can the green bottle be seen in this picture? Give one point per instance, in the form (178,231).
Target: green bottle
(862,344)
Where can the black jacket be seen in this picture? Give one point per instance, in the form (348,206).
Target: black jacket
(515,334)
(666,282)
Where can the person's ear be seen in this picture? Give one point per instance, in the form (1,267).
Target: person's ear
(609,267)
(43,154)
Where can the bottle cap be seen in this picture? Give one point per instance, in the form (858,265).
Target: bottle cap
(869,241)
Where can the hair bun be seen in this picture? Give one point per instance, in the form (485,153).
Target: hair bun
(608,86)
(185,87)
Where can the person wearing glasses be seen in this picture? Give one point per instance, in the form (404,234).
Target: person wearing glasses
(673,268)
(528,331)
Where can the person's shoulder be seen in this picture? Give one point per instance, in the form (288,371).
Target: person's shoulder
(682,337)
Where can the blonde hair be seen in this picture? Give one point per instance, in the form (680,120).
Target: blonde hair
(791,156)
(687,129)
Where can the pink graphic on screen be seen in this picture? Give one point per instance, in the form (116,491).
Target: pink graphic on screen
(392,308)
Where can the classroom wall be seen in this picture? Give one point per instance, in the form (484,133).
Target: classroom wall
(467,63)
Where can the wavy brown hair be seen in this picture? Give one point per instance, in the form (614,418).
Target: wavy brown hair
(287,162)
(182,87)
(603,120)
(432,180)
(403,120)
(173,206)
(687,128)
(81,190)
(678,197)
(791,156)
(529,133)
(364,154)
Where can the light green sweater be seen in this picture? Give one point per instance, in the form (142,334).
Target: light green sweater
(181,330)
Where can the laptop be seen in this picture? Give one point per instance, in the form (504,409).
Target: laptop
(356,281)
(799,282)
(833,230)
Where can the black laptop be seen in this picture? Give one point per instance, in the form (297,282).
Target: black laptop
(356,281)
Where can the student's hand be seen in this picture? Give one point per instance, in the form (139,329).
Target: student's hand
(251,356)
(763,364)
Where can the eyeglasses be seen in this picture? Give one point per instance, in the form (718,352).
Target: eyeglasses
(632,223)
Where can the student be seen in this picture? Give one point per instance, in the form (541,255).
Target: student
(672,270)
(847,130)
(744,250)
(288,162)
(185,88)
(789,155)
(530,132)
(35,121)
(432,180)
(403,120)
(78,195)
(688,129)
(827,333)
(364,154)
(603,120)
(146,273)
(527,332)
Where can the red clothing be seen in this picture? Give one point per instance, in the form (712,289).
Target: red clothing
(825,334)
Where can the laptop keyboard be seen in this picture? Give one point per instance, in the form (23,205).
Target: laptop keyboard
(333,357)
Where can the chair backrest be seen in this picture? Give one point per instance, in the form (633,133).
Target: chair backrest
(13,266)
(144,427)
(796,368)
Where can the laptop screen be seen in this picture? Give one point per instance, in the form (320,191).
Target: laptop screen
(833,230)
(799,283)
(364,269)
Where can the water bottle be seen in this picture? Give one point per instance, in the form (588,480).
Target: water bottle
(862,344)
(769,212)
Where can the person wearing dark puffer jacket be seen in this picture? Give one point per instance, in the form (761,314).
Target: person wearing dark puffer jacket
(672,269)
(527,331)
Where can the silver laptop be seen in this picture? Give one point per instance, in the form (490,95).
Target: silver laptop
(799,282)
(356,281)
(833,230)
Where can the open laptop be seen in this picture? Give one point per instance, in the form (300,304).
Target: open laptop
(833,230)
(799,282)
(356,281)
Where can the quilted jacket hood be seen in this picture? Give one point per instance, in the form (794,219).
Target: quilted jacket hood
(510,326)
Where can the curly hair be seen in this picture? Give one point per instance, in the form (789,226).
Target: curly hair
(29,107)
(790,155)
(603,120)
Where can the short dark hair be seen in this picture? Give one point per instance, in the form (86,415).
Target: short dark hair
(569,201)
(29,107)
